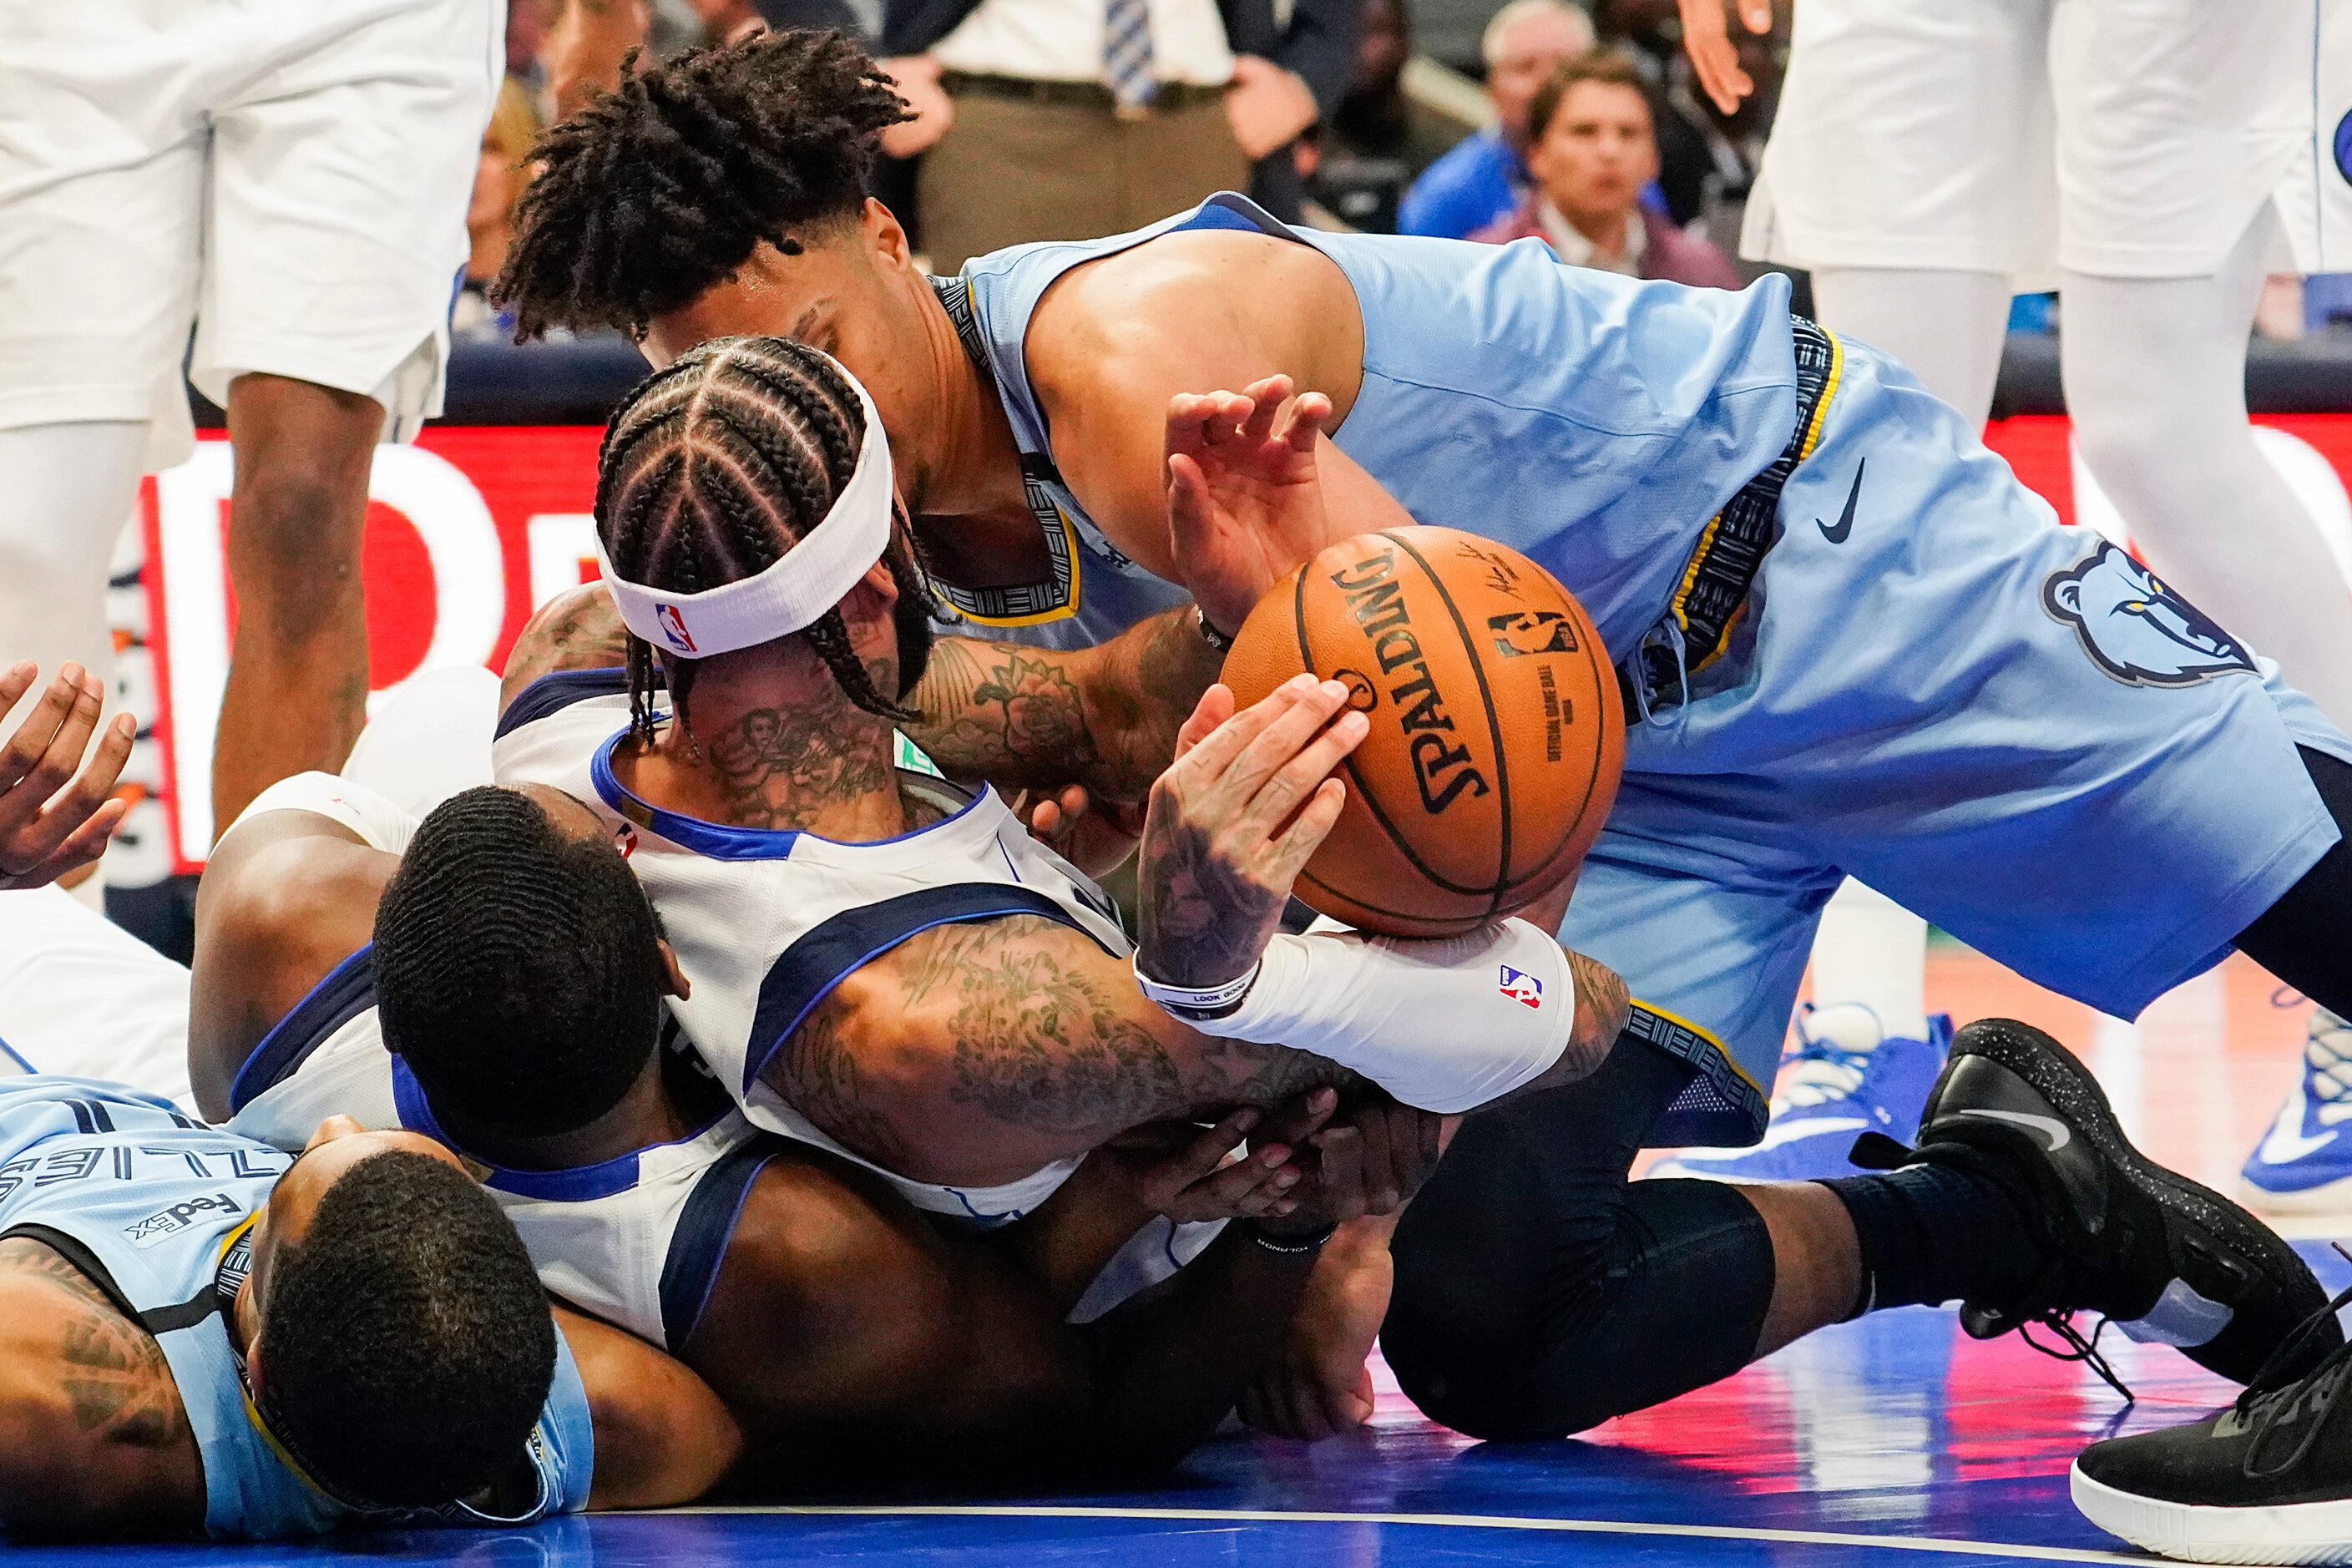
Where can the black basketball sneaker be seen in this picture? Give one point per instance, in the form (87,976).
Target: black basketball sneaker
(2153,1252)
(2267,1480)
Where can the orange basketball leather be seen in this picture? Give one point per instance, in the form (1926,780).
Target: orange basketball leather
(1497,736)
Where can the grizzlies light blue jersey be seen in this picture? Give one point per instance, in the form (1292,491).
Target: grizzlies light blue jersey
(1592,422)
(158,1210)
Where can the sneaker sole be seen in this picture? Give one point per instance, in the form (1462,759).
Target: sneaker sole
(2277,1534)
(2053,1073)
(2329,1197)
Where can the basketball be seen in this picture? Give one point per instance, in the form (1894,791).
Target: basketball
(1496,734)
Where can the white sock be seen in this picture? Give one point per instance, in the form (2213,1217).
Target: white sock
(1946,326)
(1870,962)
(65,491)
(1870,957)
(2156,381)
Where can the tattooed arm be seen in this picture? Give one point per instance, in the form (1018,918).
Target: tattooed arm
(974,1055)
(973,1374)
(1105,716)
(94,1441)
(577,629)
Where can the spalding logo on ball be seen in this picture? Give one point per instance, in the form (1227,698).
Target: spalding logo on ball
(1496,734)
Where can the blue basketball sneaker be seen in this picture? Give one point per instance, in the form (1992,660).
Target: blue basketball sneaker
(2303,1165)
(1834,1084)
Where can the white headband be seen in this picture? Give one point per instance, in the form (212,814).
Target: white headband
(793,593)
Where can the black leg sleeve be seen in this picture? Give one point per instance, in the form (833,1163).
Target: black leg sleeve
(2305,939)
(1538,1292)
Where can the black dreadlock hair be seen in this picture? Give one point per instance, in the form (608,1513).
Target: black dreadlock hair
(518,969)
(405,1345)
(659,191)
(710,471)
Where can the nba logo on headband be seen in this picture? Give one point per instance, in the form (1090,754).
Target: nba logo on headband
(792,592)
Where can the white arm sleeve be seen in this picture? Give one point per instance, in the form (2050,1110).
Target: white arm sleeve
(380,824)
(1445,1024)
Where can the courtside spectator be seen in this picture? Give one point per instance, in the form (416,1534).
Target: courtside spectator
(516,121)
(1482,179)
(1376,118)
(1592,149)
(1072,119)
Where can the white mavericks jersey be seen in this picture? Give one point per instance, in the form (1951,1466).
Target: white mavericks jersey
(766,922)
(636,1240)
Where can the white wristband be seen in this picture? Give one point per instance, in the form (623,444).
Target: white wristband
(1446,1023)
(1198,1004)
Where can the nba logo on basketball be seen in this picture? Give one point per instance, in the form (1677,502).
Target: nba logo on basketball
(673,628)
(1520,986)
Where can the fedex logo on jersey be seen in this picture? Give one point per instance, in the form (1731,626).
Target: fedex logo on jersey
(673,628)
(170,1222)
(1522,987)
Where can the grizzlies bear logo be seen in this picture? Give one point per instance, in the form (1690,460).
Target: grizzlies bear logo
(2136,629)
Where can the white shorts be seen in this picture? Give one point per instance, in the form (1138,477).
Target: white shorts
(290,176)
(2117,138)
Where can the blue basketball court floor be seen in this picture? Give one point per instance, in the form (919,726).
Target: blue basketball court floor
(1895,1439)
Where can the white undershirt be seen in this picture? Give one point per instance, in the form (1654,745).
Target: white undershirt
(1573,247)
(1062,40)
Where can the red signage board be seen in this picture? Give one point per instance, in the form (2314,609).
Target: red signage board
(471,528)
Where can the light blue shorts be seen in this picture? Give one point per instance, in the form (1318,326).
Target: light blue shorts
(2007,726)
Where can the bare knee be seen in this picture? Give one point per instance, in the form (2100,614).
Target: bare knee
(303,454)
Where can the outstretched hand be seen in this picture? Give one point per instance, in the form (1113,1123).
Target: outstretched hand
(1233,821)
(1706,39)
(1244,501)
(1096,834)
(1190,1173)
(52,822)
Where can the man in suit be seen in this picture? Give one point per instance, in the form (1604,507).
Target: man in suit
(1073,119)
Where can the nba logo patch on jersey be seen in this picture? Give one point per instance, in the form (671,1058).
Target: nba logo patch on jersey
(673,628)
(1522,987)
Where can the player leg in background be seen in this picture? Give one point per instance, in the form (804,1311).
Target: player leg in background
(70,490)
(1867,1049)
(2154,373)
(341,171)
(298,676)
(2155,380)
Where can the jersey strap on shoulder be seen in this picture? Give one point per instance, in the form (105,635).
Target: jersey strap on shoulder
(705,1226)
(553,693)
(805,974)
(348,990)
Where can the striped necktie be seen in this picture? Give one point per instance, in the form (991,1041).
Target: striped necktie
(1127,53)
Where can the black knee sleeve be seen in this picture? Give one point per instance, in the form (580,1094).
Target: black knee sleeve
(2305,938)
(1538,1293)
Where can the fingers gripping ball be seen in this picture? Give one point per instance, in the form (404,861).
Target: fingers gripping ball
(1496,733)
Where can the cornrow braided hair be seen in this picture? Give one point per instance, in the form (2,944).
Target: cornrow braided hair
(658,191)
(713,469)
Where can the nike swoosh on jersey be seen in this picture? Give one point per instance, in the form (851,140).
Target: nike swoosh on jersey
(2286,1141)
(1845,519)
(2049,1126)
